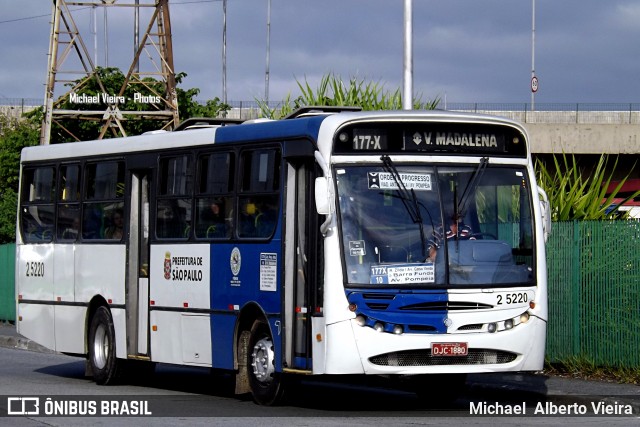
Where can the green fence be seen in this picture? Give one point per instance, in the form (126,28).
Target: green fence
(594,292)
(7,283)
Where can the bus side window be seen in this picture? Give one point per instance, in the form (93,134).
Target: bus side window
(214,204)
(68,215)
(37,212)
(175,195)
(104,195)
(258,203)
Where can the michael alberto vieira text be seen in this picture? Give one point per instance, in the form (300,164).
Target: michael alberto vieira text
(550,408)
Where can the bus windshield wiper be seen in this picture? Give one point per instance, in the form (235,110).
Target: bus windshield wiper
(460,206)
(409,199)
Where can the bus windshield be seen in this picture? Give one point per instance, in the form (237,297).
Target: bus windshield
(434,227)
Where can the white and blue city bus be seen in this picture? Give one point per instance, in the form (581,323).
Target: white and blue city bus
(318,244)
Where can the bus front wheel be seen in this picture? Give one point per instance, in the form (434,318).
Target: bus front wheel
(105,366)
(266,384)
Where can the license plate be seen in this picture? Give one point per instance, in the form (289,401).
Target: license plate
(449,349)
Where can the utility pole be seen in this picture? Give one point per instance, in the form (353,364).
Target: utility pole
(224,51)
(266,74)
(407,79)
(534,78)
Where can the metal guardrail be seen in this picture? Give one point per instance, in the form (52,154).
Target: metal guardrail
(543,113)
(553,113)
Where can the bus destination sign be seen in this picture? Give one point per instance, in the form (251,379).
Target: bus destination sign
(431,138)
(369,140)
(419,140)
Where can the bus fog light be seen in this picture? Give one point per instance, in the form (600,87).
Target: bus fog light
(492,327)
(524,317)
(361,320)
(398,330)
(508,324)
(379,327)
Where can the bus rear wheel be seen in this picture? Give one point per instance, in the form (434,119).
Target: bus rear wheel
(266,384)
(105,366)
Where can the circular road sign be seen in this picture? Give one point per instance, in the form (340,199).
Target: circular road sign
(534,84)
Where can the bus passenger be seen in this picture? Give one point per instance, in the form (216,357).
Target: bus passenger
(116,229)
(247,218)
(212,220)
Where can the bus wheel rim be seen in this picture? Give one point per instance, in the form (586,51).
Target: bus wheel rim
(262,360)
(100,347)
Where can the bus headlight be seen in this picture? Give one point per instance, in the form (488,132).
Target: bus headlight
(524,317)
(492,327)
(398,330)
(361,320)
(379,326)
(508,324)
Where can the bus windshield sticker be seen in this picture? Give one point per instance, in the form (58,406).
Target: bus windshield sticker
(356,248)
(403,274)
(412,181)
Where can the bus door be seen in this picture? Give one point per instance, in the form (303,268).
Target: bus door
(300,274)
(137,295)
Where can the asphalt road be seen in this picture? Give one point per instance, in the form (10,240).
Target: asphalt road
(190,396)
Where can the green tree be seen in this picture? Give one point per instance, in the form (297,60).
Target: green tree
(14,136)
(575,194)
(333,91)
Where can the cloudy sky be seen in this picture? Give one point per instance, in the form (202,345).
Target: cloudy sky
(464,50)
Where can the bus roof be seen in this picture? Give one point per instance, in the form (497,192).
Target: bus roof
(269,130)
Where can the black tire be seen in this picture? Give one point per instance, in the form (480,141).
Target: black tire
(105,366)
(266,385)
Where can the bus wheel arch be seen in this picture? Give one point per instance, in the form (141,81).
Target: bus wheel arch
(255,357)
(101,343)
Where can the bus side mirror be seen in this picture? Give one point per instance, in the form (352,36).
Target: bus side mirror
(323,205)
(545,208)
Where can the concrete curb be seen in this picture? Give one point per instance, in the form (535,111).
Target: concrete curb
(22,343)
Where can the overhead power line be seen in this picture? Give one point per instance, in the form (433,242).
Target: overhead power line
(26,18)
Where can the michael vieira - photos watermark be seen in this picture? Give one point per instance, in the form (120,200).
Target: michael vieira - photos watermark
(105,98)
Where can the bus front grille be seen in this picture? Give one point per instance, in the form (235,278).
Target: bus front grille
(424,358)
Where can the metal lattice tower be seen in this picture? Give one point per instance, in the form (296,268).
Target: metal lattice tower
(71,68)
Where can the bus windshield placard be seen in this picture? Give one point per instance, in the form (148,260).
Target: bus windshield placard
(432,138)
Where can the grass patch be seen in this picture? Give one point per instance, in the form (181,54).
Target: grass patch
(583,368)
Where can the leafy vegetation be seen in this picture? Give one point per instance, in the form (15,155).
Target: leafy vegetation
(577,195)
(333,91)
(14,135)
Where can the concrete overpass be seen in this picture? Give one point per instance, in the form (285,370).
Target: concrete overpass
(614,131)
